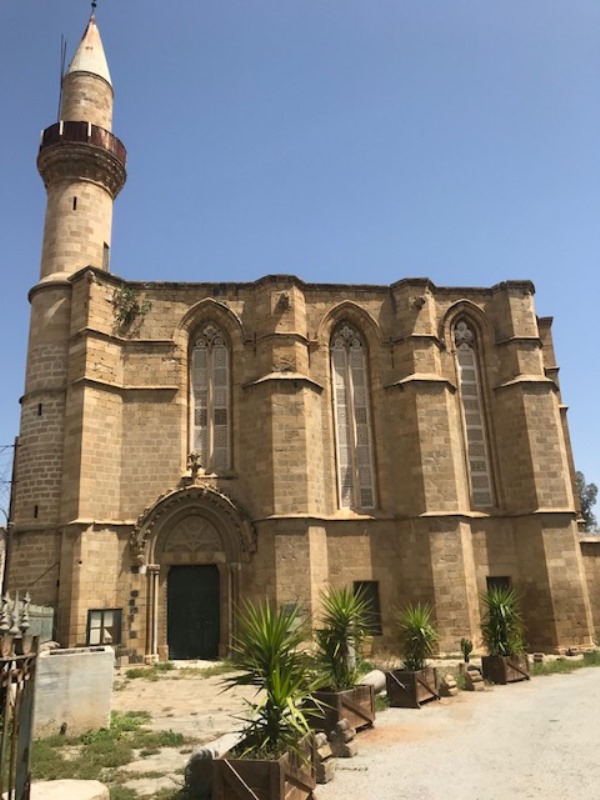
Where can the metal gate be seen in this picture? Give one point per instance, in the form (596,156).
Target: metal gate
(18,654)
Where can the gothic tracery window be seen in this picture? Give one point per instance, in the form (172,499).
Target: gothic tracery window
(210,381)
(473,414)
(354,450)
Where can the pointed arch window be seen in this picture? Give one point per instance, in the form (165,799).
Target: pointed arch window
(355,473)
(473,415)
(210,380)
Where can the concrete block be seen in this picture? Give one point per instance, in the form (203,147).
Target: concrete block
(73,689)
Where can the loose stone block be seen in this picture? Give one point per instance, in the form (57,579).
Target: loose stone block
(325,770)
(342,740)
(448,687)
(473,679)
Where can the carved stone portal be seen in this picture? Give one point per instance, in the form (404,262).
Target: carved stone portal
(200,506)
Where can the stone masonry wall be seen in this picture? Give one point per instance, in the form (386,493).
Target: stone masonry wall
(127,436)
(590,552)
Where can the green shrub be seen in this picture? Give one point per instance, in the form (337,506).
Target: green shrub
(346,622)
(502,626)
(418,635)
(268,657)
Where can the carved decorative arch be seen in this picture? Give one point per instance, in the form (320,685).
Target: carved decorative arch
(211,309)
(356,315)
(475,316)
(216,519)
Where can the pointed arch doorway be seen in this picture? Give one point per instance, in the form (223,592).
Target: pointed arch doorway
(192,545)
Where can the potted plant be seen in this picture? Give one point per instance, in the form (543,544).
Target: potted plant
(414,684)
(345,623)
(503,630)
(275,759)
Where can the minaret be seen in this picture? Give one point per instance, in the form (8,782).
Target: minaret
(82,165)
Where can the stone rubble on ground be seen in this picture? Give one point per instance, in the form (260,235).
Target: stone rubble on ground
(342,740)
(325,760)
(448,687)
(473,678)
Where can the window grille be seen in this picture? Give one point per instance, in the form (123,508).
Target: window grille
(473,416)
(350,389)
(210,399)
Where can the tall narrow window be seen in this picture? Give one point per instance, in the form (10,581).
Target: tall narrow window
(473,416)
(210,399)
(352,419)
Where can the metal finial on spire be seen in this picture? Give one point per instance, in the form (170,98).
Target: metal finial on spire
(94,4)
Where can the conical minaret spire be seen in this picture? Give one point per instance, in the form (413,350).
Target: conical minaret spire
(90,55)
(87,91)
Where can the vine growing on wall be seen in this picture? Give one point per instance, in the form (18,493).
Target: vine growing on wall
(128,306)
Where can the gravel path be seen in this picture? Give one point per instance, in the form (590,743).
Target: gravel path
(537,739)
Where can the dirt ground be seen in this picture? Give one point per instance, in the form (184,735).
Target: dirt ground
(185,700)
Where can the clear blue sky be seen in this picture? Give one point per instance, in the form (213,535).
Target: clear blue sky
(340,140)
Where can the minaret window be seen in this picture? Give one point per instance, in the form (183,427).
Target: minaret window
(210,399)
(473,414)
(350,388)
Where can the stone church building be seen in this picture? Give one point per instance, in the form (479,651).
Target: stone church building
(187,446)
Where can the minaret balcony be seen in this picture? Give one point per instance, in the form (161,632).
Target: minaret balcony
(82,151)
(67,132)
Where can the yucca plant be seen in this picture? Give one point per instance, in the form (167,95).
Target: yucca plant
(268,654)
(345,623)
(502,626)
(418,635)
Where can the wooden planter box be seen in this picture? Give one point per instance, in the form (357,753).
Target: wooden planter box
(291,777)
(406,689)
(505,669)
(357,705)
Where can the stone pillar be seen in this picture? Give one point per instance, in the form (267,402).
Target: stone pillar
(153,590)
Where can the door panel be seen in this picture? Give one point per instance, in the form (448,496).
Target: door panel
(193,606)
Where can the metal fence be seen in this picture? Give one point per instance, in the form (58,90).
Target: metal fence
(18,654)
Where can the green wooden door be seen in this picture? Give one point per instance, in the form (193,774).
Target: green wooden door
(193,628)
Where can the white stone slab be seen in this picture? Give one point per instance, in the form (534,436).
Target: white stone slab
(73,690)
(68,790)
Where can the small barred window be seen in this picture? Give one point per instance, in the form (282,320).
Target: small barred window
(210,399)
(350,389)
(473,416)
